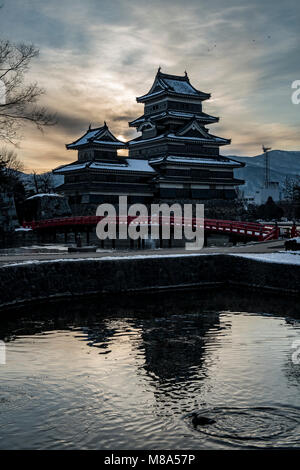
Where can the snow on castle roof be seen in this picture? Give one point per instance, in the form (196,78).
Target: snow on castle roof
(99,136)
(204,161)
(173,84)
(216,161)
(180,114)
(127,164)
(180,86)
(210,139)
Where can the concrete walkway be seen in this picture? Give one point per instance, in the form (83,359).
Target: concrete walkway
(27,255)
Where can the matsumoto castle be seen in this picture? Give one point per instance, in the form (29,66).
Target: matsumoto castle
(175,158)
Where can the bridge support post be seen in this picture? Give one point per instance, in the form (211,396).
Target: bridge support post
(160,233)
(205,239)
(233,240)
(117,232)
(171,235)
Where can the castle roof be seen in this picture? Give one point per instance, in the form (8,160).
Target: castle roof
(203,117)
(219,161)
(174,85)
(121,164)
(100,136)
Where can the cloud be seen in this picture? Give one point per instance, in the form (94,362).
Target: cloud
(97,56)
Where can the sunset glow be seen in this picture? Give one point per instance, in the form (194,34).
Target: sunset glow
(95,60)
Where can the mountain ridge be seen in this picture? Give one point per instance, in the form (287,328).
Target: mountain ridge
(283,164)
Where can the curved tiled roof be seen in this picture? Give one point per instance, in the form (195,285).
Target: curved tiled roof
(99,136)
(174,85)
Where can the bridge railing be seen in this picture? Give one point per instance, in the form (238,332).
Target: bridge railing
(246,229)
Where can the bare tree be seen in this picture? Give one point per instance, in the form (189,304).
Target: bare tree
(10,166)
(10,160)
(19,103)
(43,182)
(290,188)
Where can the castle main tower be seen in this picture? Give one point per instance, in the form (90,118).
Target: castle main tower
(177,144)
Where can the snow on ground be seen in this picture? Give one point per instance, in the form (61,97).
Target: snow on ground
(44,195)
(105,258)
(45,247)
(282,257)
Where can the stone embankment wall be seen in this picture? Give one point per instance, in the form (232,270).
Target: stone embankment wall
(41,281)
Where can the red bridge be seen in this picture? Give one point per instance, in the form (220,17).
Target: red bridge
(245,230)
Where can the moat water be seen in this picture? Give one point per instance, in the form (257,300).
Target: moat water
(127,374)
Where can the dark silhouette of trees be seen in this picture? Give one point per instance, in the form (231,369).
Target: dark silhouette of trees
(269,210)
(10,167)
(291,189)
(43,182)
(10,181)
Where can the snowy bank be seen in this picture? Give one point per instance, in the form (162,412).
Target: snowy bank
(44,195)
(284,257)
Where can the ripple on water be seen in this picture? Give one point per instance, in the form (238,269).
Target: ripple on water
(11,398)
(253,426)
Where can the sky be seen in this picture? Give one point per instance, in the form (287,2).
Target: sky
(97,56)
